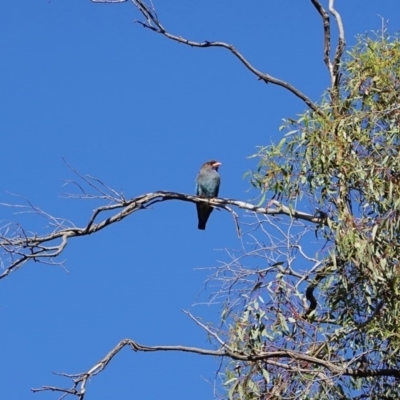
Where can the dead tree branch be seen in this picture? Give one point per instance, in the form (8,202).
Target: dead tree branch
(21,247)
(153,23)
(333,66)
(327,35)
(340,45)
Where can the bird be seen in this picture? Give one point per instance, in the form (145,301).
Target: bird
(207,185)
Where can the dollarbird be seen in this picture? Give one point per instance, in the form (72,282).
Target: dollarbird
(207,185)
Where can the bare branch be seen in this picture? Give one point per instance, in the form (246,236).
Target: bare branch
(106,192)
(327,36)
(21,247)
(333,67)
(267,357)
(341,43)
(207,329)
(154,24)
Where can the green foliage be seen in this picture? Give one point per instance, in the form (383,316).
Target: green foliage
(344,162)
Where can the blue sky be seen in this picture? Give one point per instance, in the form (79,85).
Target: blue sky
(82,81)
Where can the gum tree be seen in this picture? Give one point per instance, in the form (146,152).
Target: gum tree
(298,321)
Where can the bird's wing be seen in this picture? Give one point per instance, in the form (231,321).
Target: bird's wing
(217,186)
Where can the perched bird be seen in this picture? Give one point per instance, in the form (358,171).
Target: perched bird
(207,185)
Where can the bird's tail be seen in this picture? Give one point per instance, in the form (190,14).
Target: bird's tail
(203,213)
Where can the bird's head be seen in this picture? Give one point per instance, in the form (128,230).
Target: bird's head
(212,164)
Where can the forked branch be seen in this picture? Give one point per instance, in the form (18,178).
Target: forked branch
(288,359)
(341,42)
(18,247)
(333,66)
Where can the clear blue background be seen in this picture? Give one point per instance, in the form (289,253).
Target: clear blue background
(82,81)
